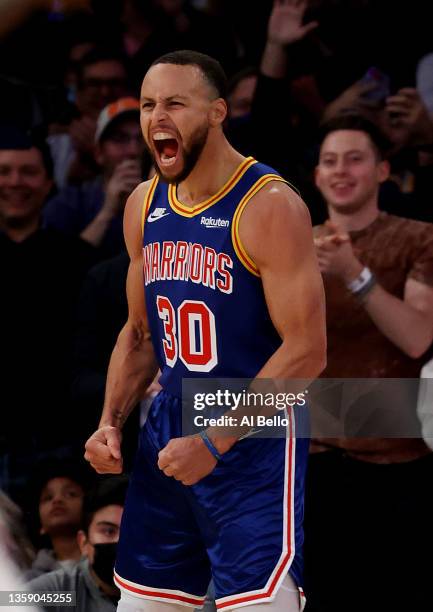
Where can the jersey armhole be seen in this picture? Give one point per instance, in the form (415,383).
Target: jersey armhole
(148,201)
(239,248)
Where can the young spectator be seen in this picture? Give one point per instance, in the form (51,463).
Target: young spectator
(101,78)
(94,210)
(92,578)
(405,120)
(41,272)
(368,503)
(58,490)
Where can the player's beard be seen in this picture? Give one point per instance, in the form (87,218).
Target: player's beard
(190,155)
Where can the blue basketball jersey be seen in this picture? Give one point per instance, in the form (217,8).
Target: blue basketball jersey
(204,297)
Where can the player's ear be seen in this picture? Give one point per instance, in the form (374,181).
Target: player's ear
(218,112)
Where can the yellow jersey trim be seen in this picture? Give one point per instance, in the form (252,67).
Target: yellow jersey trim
(147,201)
(243,256)
(191,211)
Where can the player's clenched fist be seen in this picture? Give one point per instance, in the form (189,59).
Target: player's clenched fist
(103,450)
(186,459)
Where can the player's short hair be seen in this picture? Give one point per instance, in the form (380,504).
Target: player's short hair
(108,491)
(353,121)
(17,138)
(210,68)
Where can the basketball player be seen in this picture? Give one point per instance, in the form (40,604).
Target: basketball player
(232,290)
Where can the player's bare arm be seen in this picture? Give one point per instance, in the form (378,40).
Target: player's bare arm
(132,366)
(276,231)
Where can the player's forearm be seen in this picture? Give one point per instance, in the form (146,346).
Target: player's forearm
(296,362)
(132,369)
(290,370)
(402,324)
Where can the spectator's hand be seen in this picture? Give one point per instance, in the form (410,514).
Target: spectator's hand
(285,22)
(126,176)
(354,99)
(103,450)
(409,122)
(335,254)
(186,459)
(82,133)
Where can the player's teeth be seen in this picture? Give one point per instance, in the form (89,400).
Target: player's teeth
(166,160)
(162,136)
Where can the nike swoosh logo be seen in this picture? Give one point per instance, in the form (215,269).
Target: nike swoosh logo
(152,218)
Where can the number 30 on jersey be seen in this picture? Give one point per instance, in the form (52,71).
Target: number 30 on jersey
(190,334)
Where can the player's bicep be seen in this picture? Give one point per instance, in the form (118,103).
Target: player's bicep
(277,235)
(132,224)
(135,291)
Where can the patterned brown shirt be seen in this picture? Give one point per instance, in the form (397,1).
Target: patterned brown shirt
(395,249)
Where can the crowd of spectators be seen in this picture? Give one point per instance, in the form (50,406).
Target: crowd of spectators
(329,94)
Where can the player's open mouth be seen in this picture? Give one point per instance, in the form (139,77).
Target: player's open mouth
(167,148)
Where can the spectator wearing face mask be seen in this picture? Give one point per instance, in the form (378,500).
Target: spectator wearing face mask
(92,578)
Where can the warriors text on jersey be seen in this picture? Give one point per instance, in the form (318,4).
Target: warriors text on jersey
(204,297)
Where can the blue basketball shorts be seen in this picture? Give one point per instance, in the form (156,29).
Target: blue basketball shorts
(240,525)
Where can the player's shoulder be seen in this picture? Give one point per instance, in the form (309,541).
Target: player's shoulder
(276,200)
(135,202)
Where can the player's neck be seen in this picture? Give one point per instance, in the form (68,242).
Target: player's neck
(216,165)
(357,220)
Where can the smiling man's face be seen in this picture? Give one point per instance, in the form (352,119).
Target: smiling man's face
(349,171)
(24,186)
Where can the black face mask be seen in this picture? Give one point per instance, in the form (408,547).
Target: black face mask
(103,564)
